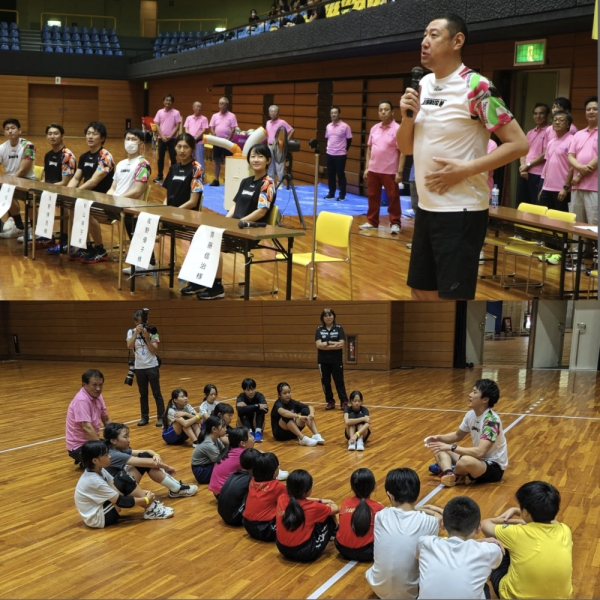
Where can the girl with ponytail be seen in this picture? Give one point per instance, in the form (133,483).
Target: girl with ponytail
(304,525)
(354,539)
(208,449)
(228,462)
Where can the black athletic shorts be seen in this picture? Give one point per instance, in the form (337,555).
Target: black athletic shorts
(283,435)
(265,531)
(364,438)
(493,473)
(445,252)
(111,514)
(124,482)
(362,554)
(221,153)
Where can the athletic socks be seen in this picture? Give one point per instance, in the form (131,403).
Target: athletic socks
(258,429)
(171,484)
(18,221)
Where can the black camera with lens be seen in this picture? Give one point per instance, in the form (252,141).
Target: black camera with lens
(130,373)
(151,330)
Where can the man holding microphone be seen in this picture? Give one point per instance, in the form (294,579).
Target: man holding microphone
(452,115)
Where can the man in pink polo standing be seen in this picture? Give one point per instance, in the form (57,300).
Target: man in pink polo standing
(383,167)
(168,126)
(563,104)
(339,138)
(222,124)
(86,413)
(197,125)
(272,126)
(532,165)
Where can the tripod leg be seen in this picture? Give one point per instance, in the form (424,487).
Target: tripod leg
(291,183)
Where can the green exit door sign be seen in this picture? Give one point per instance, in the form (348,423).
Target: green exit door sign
(532,52)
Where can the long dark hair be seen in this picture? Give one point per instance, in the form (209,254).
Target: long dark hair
(90,450)
(298,485)
(112,431)
(265,467)
(236,436)
(207,389)
(171,404)
(362,483)
(211,423)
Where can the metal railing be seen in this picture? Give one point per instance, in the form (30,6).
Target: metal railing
(221,22)
(45,16)
(7,10)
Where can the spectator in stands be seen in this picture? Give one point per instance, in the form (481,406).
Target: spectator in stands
(532,165)
(339,138)
(96,169)
(272,126)
(18,157)
(297,4)
(559,104)
(383,167)
(253,16)
(197,126)
(222,124)
(59,163)
(283,7)
(317,13)
(168,126)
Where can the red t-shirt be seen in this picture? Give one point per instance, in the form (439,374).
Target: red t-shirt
(314,512)
(261,503)
(345,535)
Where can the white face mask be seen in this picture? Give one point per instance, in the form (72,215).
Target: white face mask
(131,147)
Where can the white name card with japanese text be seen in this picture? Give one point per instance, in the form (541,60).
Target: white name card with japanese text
(142,243)
(200,264)
(44,225)
(81,223)
(6,195)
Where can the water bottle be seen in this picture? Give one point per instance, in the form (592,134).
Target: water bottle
(495,196)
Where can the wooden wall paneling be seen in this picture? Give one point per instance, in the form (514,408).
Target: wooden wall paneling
(5,340)
(13,105)
(344,100)
(311,87)
(347,86)
(385,86)
(80,107)
(45,107)
(396,334)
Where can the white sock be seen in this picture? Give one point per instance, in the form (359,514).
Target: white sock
(170,483)
(258,430)
(151,506)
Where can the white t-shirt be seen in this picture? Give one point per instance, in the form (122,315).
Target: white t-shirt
(91,493)
(455,568)
(206,408)
(128,172)
(395,570)
(455,119)
(487,427)
(188,408)
(11,157)
(144,359)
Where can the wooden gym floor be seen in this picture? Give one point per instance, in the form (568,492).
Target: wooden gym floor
(47,551)
(387,258)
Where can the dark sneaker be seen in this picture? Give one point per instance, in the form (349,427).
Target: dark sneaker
(329,197)
(435,469)
(159,422)
(97,255)
(216,291)
(344,405)
(215,183)
(341,198)
(190,289)
(143,421)
(330,406)
(159,179)
(78,255)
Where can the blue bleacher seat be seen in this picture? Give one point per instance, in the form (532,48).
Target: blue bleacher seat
(46,43)
(57,42)
(15,47)
(4,47)
(74,29)
(106,46)
(3,25)
(108,53)
(170,35)
(68,43)
(104,38)
(78,50)
(102,31)
(160,34)
(94,37)
(3,32)
(87,44)
(45,28)
(66,36)
(64,29)
(99,52)
(166,42)
(156,47)
(68,50)
(13,26)
(93,31)
(3,40)
(113,39)
(14,33)
(83,30)
(116,46)
(85,37)
(111,31)
(96,45)
(58,49)
(118,53)
(48,49)
(54,29)
(89,51)
(157,55)
(75,37)
(77,44)
(56,36)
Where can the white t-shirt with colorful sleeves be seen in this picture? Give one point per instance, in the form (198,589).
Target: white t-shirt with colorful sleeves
(488,426)
(11,157)
(129,172)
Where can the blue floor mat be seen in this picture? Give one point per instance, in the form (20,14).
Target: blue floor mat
(353,205)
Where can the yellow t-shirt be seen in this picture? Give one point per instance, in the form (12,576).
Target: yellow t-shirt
(541,560)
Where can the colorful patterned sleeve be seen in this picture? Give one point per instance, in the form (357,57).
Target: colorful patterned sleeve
(142,174)
(68,162)
(485,103)
(105,161)
(267,191)
(490,429)
(28,151)
(197,179)
(154,338)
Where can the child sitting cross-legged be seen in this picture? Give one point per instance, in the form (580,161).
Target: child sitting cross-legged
(354,539)
(99,498)
(458,566)
(538,562)
(357,421)
(263,494)
(232,499)
(139,462)
(181,422)
(208,449)
(210,401)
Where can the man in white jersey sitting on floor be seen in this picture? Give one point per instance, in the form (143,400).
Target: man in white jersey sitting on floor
(486,460)
(132,176)
(448,133)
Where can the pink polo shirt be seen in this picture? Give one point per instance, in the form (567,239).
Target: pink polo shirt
(584,146)
(537,142)
(490,180)
(551,134)
(556,167)
(384,149)
(223,123)
(83,408)
(224,469)
(168,121)
(336,138)
(273,126)
(196,125)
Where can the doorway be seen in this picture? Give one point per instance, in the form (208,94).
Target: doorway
(72,106)
(148,18)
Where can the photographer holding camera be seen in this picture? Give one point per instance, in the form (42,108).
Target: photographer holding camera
(143,340)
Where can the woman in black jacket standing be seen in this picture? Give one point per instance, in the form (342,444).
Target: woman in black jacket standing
(330,340)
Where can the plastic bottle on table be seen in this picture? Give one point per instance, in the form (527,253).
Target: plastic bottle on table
(495,201)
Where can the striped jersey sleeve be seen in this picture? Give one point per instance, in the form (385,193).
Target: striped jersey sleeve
(267,192)
(68,162)
(105,161)
(142,173)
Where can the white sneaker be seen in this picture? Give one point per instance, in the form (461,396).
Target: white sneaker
(10,231)
(395,228)
(184,491)
(283,475)
(159,511)
(360,445)
(352,444)
(367,225)
(481,257)
(306,441)
(318,438)
(21,238)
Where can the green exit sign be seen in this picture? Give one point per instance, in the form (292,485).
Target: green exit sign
(532,52)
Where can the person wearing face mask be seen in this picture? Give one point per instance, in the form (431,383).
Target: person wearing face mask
(253,16)
(252,203)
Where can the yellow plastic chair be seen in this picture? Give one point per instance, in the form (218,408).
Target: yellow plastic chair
(39,171)
(332,230)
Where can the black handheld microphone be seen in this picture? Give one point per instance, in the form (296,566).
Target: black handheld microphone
(249,224)
(417,74)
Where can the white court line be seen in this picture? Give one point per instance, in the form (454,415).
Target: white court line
(335,578)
